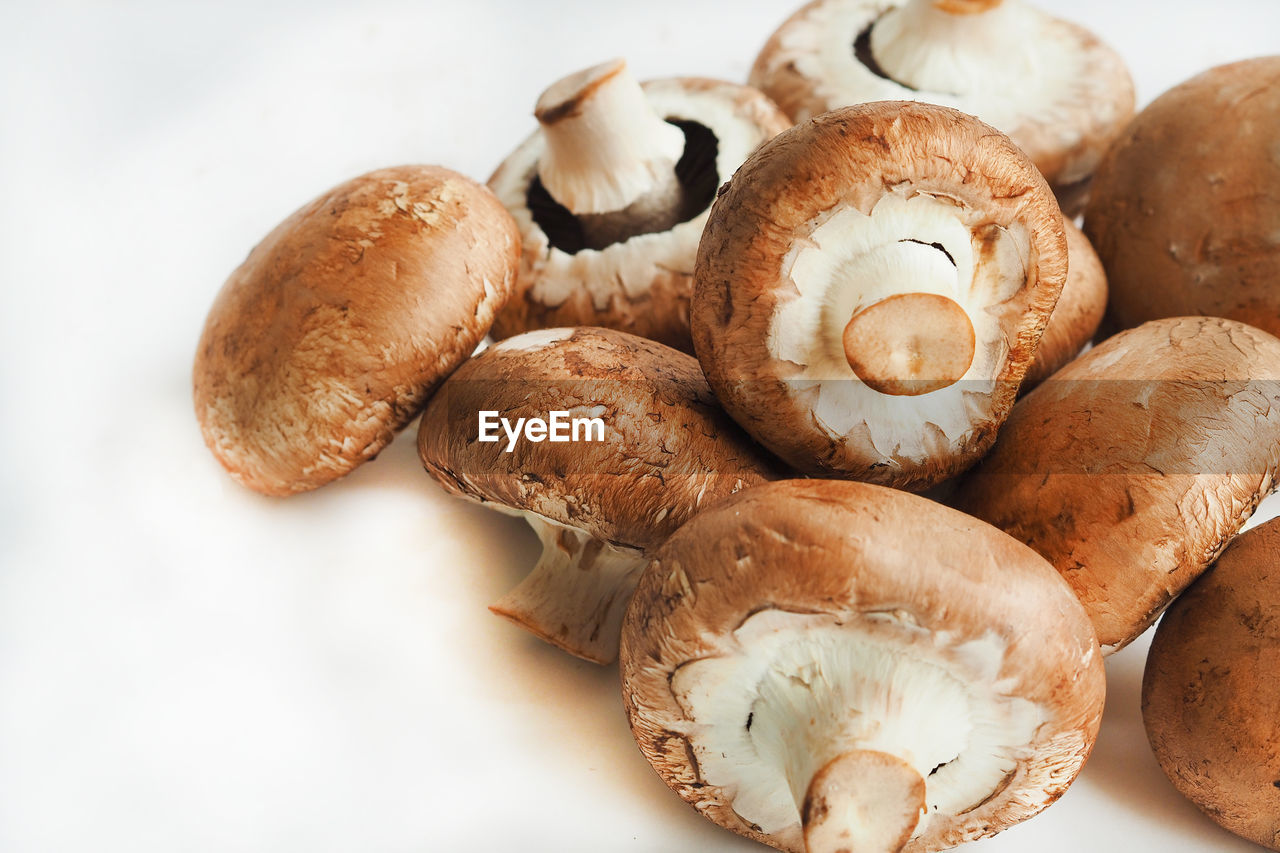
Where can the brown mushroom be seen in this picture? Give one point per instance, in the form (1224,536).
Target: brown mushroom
(871,288)
(1060,93)
(328,339)
(1211,691)
(1131,467)
(1079,311)
(612,193)
(600,499)
(824,665)
(1186,207)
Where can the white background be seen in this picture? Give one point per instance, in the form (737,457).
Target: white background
(187,666)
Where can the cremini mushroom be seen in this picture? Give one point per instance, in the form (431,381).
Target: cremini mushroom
(612,192)
(328,339)
(1060,93)
(607,496)
(1211,691)
(1186,207)
(871,288)
(827,665)
(1132,467)
(1079,311)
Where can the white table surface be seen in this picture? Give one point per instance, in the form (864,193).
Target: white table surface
(187,666)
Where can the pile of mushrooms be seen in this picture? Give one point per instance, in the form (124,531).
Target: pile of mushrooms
(811,662)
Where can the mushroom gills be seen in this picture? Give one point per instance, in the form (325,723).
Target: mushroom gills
(917,274)
(822,695)
(577,593)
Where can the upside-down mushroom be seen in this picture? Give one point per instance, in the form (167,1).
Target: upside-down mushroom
(1211,690)
(1132,467)
(1185,213)
(1060,93)
(826,665)
(871,289)
(331,335)
(612,192)
(600,500)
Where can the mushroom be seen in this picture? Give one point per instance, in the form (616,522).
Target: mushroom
(1186,207)
(1060,93)
(871,287)
(1132,467)
(612,193)
(1211,691)
(601,501)
(1079,311)
(328,339)
(826,665)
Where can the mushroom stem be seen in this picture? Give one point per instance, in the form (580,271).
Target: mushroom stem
(952,46)
(910,344)
(606,149)
(576,594)
(862,801)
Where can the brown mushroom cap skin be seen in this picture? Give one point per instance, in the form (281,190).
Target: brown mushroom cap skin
(1185,212)
(855,157)
(1132,467)
(1211,690)
(852,550)
(669,449)
(1104,93)
(652,296)
(330,336)
(1079,311)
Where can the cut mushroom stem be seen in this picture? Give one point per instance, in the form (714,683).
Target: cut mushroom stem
(577,593)
(910,344)
(862,801)
(951,46)
(608,155)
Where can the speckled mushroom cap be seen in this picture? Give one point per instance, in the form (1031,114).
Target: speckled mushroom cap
(1186,207)
(926,223)
(640,284)
(1132,467)
(800,621)
(666,452)
(1211,691)
(328,339)
(1060,93)
(1079,311)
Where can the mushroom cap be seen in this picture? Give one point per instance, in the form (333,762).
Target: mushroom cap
(640,285)
(873,564)
(330,336)
(1063,103)
(1079,311)
(1211,691)
(1185,212)
(799,235)
(1130,468)
(668,449)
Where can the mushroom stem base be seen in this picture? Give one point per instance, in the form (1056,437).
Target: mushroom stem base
(576,594)
(862,801)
